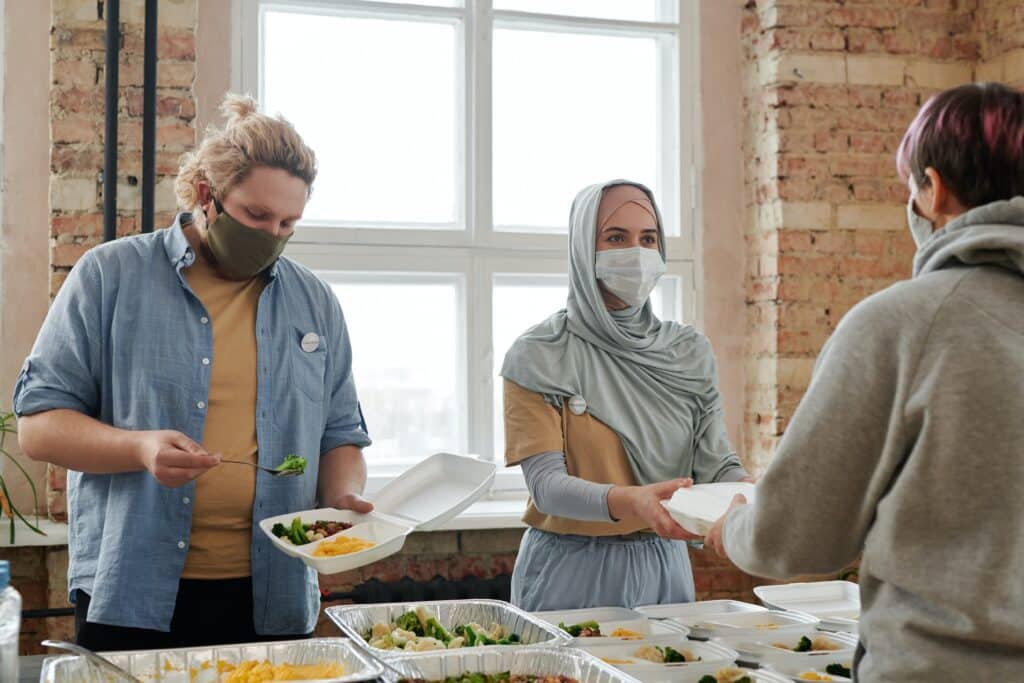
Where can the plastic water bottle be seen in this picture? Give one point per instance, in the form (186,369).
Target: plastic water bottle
(10,624)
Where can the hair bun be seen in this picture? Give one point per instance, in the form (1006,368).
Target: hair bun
(237,107)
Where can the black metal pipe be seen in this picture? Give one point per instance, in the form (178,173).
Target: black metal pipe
(113,15)
(149,117)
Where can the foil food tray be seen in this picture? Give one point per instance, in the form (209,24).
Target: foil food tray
(355,621)
(199,664)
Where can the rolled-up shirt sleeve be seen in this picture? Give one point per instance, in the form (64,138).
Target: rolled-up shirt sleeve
(345,425)
(64,366)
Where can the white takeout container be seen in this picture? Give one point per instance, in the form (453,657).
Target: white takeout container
(755,675)
(691,614)
(755,626)
(793,673)
(836,603)
(423,498)
(610,619)
(697,508)
(713,656)
(765,651)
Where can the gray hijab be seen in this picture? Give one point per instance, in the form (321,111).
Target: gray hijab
(651,382)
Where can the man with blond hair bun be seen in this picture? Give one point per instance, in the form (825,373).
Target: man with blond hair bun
(164,353)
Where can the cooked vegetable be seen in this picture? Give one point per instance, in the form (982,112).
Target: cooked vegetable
(804,645)
(503,677)
(838,670)
(419,630)
(664,655)
(292,462)
(301,534)
(672,655)
(585,629)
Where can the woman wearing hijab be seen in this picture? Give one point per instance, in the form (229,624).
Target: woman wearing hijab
(609,411)
(906,449)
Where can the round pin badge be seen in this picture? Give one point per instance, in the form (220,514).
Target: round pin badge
(310,342)
(577,405)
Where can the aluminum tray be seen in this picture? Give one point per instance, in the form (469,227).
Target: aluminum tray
(538,661)
(356,620)
(175,666)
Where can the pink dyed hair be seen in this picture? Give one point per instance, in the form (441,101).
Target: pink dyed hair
(973,136)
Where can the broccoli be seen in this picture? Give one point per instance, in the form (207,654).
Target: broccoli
(838,670)
(708,679)
(411,623)
(576,630)
(279,530)
(672,655)
(297,532)
(745,679)
(435,630)
(470,635)
(292,462)
(804,645)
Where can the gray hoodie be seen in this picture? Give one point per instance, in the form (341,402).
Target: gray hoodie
(908,447)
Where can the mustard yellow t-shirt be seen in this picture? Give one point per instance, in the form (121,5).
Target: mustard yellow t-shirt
(221,539)
(593,451)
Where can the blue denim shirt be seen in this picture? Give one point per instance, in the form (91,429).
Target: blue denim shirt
(127,341)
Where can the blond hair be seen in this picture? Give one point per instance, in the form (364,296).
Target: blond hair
(248,139)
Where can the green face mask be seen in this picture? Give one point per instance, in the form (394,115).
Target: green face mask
(241,252)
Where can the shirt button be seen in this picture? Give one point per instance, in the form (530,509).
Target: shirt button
(204,320)
(201,405)
(186,500)
(181,544)
(206,361)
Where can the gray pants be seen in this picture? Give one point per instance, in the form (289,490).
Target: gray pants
(557,571)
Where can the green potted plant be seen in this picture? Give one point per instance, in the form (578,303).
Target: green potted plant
(7,422)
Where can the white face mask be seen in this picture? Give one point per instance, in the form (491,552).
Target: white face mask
(630,274)
(920,227)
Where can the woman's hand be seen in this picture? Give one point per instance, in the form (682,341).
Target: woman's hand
(171,457)
(644,502)
(714,538)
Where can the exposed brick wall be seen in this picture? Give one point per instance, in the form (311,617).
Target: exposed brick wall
(830,89)
(1001,32)
(77,62)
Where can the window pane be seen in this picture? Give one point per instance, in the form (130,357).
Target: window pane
(408,362)
(433,3)
(382,124)
(634,10)
(570,110)
(522,301)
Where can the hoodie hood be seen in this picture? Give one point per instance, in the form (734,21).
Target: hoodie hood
(992,234)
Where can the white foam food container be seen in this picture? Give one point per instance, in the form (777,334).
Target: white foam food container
(796,672)
(781,649)
(423,498)
(753,625)
(355,621)
(436,666)
(611,619)
(691,614)
(836,603)
(755,676)
(199,664)
(711,657)
(697,508)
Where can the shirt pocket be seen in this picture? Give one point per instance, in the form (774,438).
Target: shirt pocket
(308,367)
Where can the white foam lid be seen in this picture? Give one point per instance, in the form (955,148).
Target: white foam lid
(435,491)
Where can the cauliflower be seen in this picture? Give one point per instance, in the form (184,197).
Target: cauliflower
(424,645)
(456,643)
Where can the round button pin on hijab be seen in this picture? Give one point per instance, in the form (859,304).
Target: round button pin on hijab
(577,405)
(310,342)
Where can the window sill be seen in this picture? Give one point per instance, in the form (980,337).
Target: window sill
(505,512)
(56,535)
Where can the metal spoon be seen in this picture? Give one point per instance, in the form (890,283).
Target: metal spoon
(92,657)
(269,470)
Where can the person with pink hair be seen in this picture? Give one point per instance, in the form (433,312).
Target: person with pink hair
(907,447)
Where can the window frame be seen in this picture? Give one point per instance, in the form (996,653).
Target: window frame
(475,250)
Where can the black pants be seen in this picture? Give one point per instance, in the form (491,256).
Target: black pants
(206,613)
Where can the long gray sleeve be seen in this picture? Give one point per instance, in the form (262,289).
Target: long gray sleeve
(714,459)
(555,492)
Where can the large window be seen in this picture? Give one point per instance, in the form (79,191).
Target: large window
(452,137)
